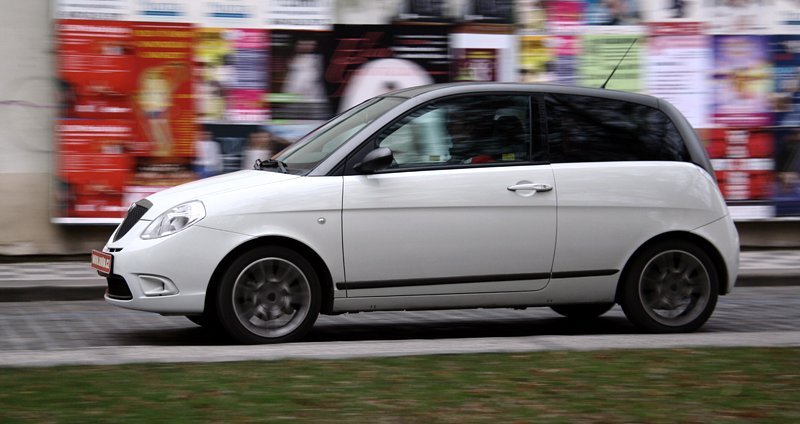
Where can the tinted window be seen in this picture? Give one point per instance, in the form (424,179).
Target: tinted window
(462,130)
(594,129)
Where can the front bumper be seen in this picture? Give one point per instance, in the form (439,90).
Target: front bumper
(168,275)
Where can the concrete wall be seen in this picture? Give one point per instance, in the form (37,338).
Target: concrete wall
(27,154)
(27,157)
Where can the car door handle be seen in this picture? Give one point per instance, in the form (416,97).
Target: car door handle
(530,186)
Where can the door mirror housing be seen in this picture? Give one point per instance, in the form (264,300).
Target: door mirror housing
(376,160)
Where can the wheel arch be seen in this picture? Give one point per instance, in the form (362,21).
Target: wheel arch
(712,252)
(326,282)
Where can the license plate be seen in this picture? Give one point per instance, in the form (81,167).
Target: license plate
(101,261)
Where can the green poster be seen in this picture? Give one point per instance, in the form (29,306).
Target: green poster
(601,53)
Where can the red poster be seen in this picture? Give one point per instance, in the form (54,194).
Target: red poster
(163,103)
(743,161)
(95,62)
(93,167)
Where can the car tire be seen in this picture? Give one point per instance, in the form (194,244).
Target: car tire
(670,287)
(583,311)
(268,295)
(198,319)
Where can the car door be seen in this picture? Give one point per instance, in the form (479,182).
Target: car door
(462,209)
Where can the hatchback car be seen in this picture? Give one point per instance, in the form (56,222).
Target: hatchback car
(444,196)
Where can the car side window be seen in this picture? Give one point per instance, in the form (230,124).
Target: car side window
(463,130)
(594,129)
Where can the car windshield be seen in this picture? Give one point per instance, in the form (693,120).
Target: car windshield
(320,143)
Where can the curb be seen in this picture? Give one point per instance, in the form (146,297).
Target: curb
(16,291)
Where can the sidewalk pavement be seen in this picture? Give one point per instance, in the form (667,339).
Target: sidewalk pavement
(75,280)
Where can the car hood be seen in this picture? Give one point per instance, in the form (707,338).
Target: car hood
(200,189)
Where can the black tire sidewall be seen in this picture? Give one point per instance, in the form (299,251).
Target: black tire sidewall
(582,311)
(224,302)
(632,304)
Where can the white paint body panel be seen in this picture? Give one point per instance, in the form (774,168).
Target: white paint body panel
(448,224)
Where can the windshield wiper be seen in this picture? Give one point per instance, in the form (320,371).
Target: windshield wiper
(271,163)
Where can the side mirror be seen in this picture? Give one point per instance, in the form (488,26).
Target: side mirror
(375,160)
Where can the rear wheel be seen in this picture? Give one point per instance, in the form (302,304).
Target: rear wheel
(583,311)
(269,295)
(671,287)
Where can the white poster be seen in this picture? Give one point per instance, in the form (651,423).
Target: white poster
(227,13)
(676,68)
(291,14)
(162,11)
(107,10)
(502,48)
(787,13)
(739,17)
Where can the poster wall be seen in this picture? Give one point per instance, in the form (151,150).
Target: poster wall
(153,93)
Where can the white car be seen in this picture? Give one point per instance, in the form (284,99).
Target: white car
(445,196)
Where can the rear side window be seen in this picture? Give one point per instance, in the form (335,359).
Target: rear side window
(595,129)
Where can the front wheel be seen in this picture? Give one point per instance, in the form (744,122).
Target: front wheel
(671,287)
(269,295)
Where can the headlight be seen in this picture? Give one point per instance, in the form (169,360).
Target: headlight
(175,219)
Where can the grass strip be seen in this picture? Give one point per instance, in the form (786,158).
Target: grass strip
(678,385)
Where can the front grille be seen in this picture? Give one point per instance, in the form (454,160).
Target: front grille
(118,288)
(135,213)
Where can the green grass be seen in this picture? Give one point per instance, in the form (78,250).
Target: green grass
(683,385)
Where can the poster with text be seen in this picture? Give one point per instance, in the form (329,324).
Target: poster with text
(742,81)
(616,12)
(163,11)
(95,59)
(566,50)
(228,13)
(601,53)
(739,17)
(743,159)
(489,11)
(299,15)
(675,70)
(105,10)
(784,51)
(94,166)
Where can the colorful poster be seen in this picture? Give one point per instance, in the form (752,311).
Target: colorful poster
(784,51)
(602,53)
(739,17)
(743,161)
(617,12)
(231,75)
(564,16)
(94,167)
(299,15)
(675,71)
(535,59)
(531,16)
(107,10)
(297,69)
(369,60)
(94,63)
(742,81)
(164,106)
(565,49)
